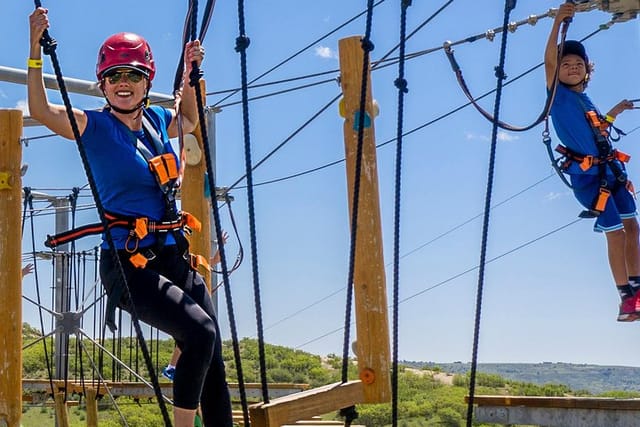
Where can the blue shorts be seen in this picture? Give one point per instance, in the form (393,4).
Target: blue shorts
(621,204)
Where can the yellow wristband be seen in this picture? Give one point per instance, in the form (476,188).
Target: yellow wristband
(34,63)
(609,119)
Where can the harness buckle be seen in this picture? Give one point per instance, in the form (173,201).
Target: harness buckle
(601,201)
(141,228)
(164,167)
(196,261)
(138,260)
(191,221)
(586,163)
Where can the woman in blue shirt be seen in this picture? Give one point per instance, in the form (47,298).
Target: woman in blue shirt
(122,142)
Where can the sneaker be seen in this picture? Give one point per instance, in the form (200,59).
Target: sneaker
(168,372)
(629,309)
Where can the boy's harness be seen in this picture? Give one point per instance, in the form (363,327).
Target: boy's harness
(607,157)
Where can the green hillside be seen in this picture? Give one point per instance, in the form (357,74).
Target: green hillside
(428,394)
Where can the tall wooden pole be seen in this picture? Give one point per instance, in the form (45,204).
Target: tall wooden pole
(10,268)
(192,195)
(369,280)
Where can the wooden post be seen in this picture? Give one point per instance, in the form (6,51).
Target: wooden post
(62,417)
(192,195)
(92,407)
(10,268)
(369,284)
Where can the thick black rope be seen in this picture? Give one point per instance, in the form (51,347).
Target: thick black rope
(188,34)
(194,80)
(401,84)
(367,47)
(508,7)
(242,43)
(49,45)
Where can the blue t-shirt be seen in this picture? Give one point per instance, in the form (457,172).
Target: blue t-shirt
(570,123)
(124,182)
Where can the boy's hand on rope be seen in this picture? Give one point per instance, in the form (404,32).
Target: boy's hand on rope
(565,11)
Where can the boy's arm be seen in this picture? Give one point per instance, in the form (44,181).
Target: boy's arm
(566,10)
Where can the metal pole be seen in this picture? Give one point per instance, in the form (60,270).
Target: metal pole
(61,286)
(211,133)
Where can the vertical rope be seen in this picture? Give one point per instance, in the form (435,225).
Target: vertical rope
(500,76)
(401,84)
(367,47)
(242,43)
(194,80)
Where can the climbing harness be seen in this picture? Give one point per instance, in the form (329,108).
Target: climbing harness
(608,158)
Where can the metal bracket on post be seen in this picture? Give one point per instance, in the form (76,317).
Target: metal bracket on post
(5,177)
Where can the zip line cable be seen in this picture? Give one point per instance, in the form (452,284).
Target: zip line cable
(308,46)
(402,56)
(406,254)
(420,127)
(458,275)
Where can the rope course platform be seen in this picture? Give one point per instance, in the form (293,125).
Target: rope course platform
(37,390)
(557,411)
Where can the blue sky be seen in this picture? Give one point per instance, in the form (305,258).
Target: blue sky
(552,300)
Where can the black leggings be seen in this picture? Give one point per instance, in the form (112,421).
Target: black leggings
(172,297)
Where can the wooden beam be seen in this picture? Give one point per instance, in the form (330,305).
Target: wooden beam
(42,387)
(62,416)
(192,195)
(558,402)
(10,267)
(299,406)
(557,411)
(372,323)
(92,408)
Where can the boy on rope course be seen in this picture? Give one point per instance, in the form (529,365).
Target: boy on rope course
(136,171)
(596,170)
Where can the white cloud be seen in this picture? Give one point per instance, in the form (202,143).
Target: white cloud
(504,136)
(22,105)
(472,137)
(554,195)
(325,52)
(2,94)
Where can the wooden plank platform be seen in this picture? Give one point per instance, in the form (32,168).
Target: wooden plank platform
(316,421)
(137,390)
(290,409)
(557,411)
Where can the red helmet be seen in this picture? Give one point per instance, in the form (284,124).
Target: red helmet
(125,50)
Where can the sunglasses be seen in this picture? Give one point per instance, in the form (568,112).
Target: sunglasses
(132,75)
